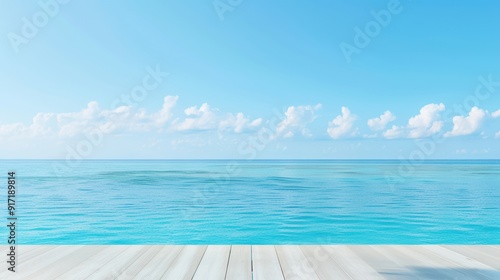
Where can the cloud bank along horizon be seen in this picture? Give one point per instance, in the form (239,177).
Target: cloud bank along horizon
(199,121)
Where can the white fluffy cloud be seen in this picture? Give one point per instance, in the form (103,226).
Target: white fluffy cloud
(122,118)
(92,117)
(126,118)
(296,120)
(202,118)
(381,122)
(14,130)
(342,125)
(42,125)
(426,123)
(467,125)
(394,132)
(165,114)
(239,123)
(208,118)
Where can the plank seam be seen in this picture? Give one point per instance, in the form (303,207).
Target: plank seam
(228,258)
(122,252)
(173,260)
(152,247)
(333,259)
(204,251)
(279,261)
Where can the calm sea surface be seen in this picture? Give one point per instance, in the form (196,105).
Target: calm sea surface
(254,202)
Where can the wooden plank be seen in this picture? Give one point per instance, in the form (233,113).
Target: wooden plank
(417,269)
(479,253)
(90,266)
(26,248)
(24,267)
(385,266)
(294,264)
(46,259)
(118,264)
(213,266)
(425,262)
(62,265)
(35,252)
(351,263)
(471,267)
(266,265)
(490,249)
(131,271)
(325,267)
(160,263)
(20,251)
(23,260)
(24,252)
(186,263)
(269,262)
(240,263)
(496,247)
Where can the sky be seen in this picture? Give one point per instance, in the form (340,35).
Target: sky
(409,80)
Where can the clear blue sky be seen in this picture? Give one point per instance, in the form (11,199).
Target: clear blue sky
(423,65)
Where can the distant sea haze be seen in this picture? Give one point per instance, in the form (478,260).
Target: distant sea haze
(256,202)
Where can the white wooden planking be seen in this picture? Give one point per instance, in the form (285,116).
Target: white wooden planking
(351,263)
(143,260)
(36,252)
(38,259)
(392,256)
(240,263)
(186,263)
(294,264)
(45,260)
(476,269)
(269,262)
(23,259)
(386,267)
(119,263)
(325,267)
(416,269)
(160,263)
(424,261)
(20,248)
(21,256)
(493,251)
(65,263)
(213,266)
(479,253)
(445,264)
(266,265)
(27,248)
(85,268)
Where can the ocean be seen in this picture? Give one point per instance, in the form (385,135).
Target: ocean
(254,202)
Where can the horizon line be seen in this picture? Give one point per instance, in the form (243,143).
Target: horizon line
(263,159)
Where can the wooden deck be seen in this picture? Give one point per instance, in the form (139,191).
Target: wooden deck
(254,262)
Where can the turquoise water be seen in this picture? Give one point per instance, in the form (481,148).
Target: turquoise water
(255,202)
